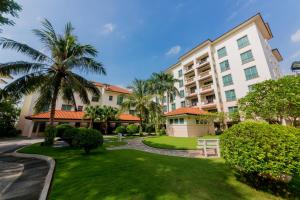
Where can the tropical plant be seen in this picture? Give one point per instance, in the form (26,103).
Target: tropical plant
(92,113)
(132,129)
(52,75)
(62,128)
(88,139)
(155,116)
(9,113)
(121,129)
(69,135)
(49,135)
(107,113)
(140,99)
(8,7)
(273,100)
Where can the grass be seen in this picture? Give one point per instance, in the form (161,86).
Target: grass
(112,142)
(168,142)
(130,174)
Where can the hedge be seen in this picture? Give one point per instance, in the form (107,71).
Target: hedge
(88,139)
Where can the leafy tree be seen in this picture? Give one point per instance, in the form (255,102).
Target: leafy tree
(155,115)
(92,113)
(107,113)
(140,99)
(9,113)
(273,100)
(52,75)
(8,7)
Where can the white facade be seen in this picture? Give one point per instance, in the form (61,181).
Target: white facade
(202,77)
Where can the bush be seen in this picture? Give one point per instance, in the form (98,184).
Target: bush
(260,151)
(49,135)
(120,129)
(162,131)
(88,139)
(132,129)
(60,129)
(69,135)
(150,128)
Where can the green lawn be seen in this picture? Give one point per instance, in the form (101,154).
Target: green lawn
(168,142)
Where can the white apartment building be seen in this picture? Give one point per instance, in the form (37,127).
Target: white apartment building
(32,124)
(216,73)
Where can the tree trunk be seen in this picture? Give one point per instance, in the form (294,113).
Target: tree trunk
(168,109)
(91,123)
(53,104)
(106,127)
(141,123)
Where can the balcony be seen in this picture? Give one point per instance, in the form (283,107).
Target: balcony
(190,80)
(208,103)
(203,63)
(191,93)
(192,104)
(188,69)
(206,88)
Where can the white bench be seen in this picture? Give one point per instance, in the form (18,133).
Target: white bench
(207,144)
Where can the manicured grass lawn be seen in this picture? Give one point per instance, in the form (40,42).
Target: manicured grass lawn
(167,142)
(130,174)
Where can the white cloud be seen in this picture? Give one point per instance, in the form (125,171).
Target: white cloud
(108,28)
(173,50)
(296,36)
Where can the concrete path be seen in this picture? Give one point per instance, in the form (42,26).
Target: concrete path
(22,176)
(137,144)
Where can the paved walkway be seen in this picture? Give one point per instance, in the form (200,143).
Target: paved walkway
(137,144)
(21,178)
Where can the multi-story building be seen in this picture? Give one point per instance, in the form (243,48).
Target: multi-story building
(216,73)
(32,124)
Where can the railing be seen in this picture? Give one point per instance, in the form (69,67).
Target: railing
(189,80)
(209,145)
(191,104)
(188,93)
(206,87)
(202,62)
(188,69)
(206,102)
(205,73)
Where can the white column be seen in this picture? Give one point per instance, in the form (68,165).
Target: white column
(37,129)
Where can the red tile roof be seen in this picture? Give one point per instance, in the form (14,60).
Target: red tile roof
(73,115)
(186,111)
(113,88)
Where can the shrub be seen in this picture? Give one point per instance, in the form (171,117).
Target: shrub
(49,134)
(132,129)
(162,131)
(60,129)
(258,150)
(88,139)
(120,129)
(150,128)
(69,135)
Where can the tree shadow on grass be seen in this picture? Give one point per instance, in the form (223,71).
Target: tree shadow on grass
(164,146)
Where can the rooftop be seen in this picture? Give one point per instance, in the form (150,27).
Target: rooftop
(113,88)
(186,111)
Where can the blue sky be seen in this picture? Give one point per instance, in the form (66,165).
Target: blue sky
(137,37)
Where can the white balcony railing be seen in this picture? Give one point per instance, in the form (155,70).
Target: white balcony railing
(206,87)
(189,80)
(205,73)
(208,102)
(193,92)
(203,62)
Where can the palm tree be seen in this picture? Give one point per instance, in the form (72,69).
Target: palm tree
(52,75)
(163,83)
(92,113)
(155,114)
(107,113)
(140,98)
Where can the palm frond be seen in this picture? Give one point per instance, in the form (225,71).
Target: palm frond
(44,99)
(87,64)
(68,29)
(36,55)
(20,67)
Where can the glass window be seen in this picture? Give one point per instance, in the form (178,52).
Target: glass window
(227,80)
(242,42)
(66,107)
(222,52)
(175,121)
(79,108)
(181,93)
(181,121)
(180,73)
(173,106)
(180,83)
(110,98)
(197,121)
(230,95)
(232,109)
(182,104)
(120,100)
(171,121)
(224,65)
(95,98)
(251,73)
(247,57)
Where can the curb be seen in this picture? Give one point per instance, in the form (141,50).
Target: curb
(48,179)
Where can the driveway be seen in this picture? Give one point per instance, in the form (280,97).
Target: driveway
(21,177)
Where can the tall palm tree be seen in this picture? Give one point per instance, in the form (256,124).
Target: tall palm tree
(106,114)
(163,83)
(92,113)
(52,75)
(140,99)
(155,114)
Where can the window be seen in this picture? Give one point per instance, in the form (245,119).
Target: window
(232,109)
(171,121)
(110,98)
(66,107)
(182,104)
(181,121)
(201,121)
(180,83)
(120,100)
(222,52)
(173,106)
(95,98)
(230,95)
(181,93)
(175,121)
(224,66)
(79,108)
(165,108)
(180,73)
(227,80)
(251,73)
(247,57)
(242,42)
(45,108)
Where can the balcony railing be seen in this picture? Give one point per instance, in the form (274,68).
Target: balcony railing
(208,102)
(188,69)
(206,87)
(203,62)
(190,80)
(205,73)
(192,104)
(190,93)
